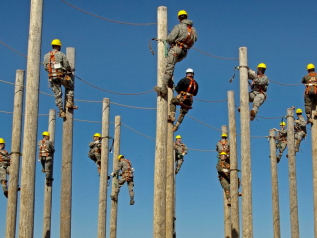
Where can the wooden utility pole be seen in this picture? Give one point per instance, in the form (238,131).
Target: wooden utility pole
(314,158)
(15,157)
(26,216)
(67,160)
(116,153)
(247,220)
(292,174)
(48,189)
(159,218)
(234,187)
(104,169)
(170,173)
(275,197)
(226,208)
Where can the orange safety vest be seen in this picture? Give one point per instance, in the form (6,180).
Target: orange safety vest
(1,160)
(188,42)
(310,81)
(43,146)
(126,174)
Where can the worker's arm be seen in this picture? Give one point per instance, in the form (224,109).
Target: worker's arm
(304,80)
(52,149)
(261,81)
(251,74)
(116,171)
(66,63)
(45,62)
(185,149)
(173,35)
(180,85)
(91,144)
(196,91)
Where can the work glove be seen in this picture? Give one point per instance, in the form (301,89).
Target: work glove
(97,142)
(183,154)
(296,121)
(275,129)
(225,170)
(112,174)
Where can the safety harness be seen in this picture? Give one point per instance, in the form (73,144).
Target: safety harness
(2,156)
(43,150)
(259,86)
(311,83)
(189,93)
(188,42)
(126,174)
(226,174)
(224,148)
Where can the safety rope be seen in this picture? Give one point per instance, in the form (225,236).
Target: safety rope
(106,19)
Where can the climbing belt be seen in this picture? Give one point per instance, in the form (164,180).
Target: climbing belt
(158,40)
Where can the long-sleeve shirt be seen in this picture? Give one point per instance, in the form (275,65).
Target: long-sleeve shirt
(180,149)
(4,158)
(310,78)
(223,165)
(259,83)
(60,58)
(95,145)
(184,84)
(123,165)
(281,135)
(301,125)
(180,32)
(223,146)
(46,148)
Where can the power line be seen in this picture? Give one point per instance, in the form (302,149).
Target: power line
(106,19)
(12,49)
(285,84)
(218,57)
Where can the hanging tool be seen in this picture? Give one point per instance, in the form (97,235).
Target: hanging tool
(158,40)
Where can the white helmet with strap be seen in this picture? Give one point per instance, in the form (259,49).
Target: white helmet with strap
(189,70)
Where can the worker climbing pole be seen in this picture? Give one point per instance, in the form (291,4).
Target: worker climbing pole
(186,89)
(281,140)
(4,167)
(180,152)
(310,93)
(223,145)
(300,129)
(60,73)
(95,150)
(181,39)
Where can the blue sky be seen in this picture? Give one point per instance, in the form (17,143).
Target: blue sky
(117,58)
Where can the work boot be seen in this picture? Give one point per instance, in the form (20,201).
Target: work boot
(49,181)
(160,91)
(114,198)
(314,113)
(286,156)
(70,103)
(175,128)
(278,159)
(238,109)
(176,171)
(61,113)
(229,202)
(6,193)
(132,201)
(171,117)
(252,115)
(240,194)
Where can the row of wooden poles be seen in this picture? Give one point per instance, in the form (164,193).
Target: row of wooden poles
(164,181)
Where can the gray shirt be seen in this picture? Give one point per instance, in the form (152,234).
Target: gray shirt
(223,145)
(123,165)
(259,83)
(4,158)
(46,148)
(60,58)
(180,32)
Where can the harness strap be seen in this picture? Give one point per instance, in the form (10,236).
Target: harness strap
(310,81)
(192,84)
(41,149)
(127,171)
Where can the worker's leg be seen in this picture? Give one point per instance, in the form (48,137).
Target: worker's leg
(98,161)
(3,179)
(257,102)
(179,163)
(131,192)
(68,83)
(299,136)
(91,154)
(174,101)
(226,187)
(180,119)
(42,159)
(48,167)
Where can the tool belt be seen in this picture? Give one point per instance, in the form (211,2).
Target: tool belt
(182,45)
(127,175)
(186,100)
(311,89)
(56,75)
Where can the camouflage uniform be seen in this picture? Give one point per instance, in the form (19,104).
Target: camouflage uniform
(310,93)
(4,169)
(258,89)
(223,146)
(177,52)
(46,152)
(63,66)
(300,131)
(281,143)
(126,176)
(180,151)
(186,89)
(224,177)
(95,153)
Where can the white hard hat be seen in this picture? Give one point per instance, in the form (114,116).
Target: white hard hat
(189,70)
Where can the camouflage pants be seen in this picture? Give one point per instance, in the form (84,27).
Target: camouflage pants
(175,54)
(225,184)
(179,162)
(310,103)
(281,146)
(299,136)
(56,85)
(257,98)
(183,111)
(3,176)
(130,183)
(47,164)
(95,156)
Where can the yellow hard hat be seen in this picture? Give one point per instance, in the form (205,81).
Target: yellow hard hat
(2,141)
(299,111)
(223,153)
(182,12)
(310,66)
(282,123)
(224,135)
(97,135)
(262,65)
(178,137)
(56,42)
(120,156)
(46,133)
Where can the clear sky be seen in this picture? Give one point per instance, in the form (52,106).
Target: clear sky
(117,58)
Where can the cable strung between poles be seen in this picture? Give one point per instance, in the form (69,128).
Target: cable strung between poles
(106,19)
(218,57)
(285,84)
(12,49)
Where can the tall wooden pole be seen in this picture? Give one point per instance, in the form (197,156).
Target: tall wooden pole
(159,217)
(314,158)
(275,197)
(15,157)
(170,173)
(67,160)
(104,169)
(292,174)
(116,153)
(26,216)
(226,208)
(48,189)
(247,220)
(234,188)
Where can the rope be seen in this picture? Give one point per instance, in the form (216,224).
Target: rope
(13,49)
(218,57)
(130,94)
(285,84)
(106,19)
